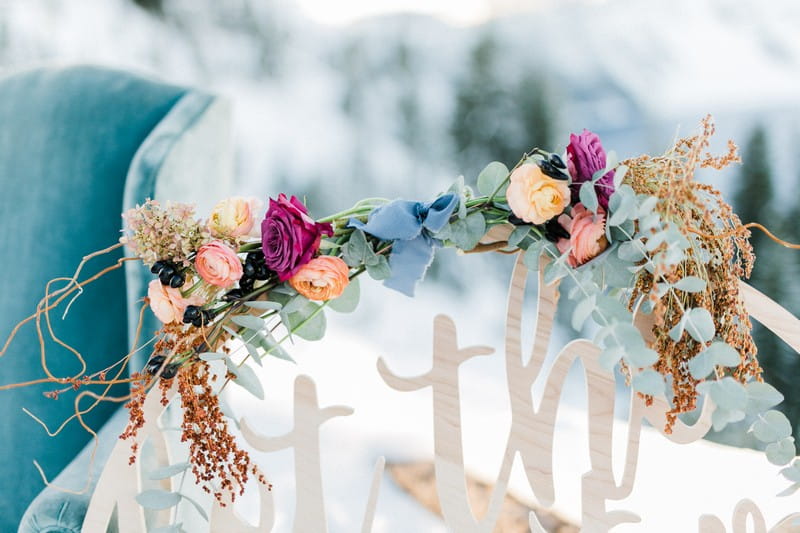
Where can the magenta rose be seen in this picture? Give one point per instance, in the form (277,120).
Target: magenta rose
(585,156)
(289,237)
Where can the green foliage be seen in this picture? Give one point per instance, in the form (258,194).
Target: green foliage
(348,301)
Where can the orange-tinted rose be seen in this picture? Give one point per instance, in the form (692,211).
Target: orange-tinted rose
(323,278)
(587,234)
(534,197)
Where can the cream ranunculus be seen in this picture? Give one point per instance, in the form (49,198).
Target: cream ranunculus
(534,197)
(233,217)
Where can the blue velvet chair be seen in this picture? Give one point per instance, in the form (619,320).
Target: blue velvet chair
(77,147)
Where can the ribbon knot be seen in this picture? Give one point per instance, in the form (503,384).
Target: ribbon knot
(410,225)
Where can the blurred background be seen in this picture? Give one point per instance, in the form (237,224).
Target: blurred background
(337,101)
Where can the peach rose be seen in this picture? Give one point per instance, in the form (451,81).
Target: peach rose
(218,264)
(323,278)
(587,232)
(167,303)
(534,197)
(233,217)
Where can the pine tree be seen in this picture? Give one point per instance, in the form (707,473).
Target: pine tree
(754,201)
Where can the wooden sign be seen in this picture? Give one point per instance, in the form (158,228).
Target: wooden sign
(530,436)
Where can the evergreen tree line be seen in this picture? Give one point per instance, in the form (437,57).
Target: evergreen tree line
(776,268)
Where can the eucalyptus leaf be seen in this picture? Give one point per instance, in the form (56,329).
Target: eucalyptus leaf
(723,354)
(249,321)
(588,196)
(232,367)
(641,356)
(761,397)
(380,270)
(158,499)
(211,356)
(610,356)
(168,471)
(772,426)
(648,382)
(532,254)
(253,351)
(491,177)
(782,452)
(792,473)
(264,305)
(676,332)
(466,233)
(519,233)
(690,284)
(700,324)
(582,311)
(554,271)
(629,336)
(701,365)
(357,251)
(649,222)
(348,300)
(197,506)
(173,528)
(647,205)
(788,492)
(248,380)
(729,394)
(296,304)
(722,417)
(619,175)
(271,346)
(307,322)
(631,251)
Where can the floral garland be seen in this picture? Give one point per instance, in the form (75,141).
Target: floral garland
(635,237)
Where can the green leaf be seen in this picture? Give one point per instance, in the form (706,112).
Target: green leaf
(619,175)
(690,284)
(357,251)
(629,336)
(782,452)
(253,351)
(158,499)
(248,380)
(308,322)
(792,473)
(648,382)
(647,205)
(582,311)
(491,177)
(772,426)
(723,354)
(788,492)
(677,330)
(519,233)
(761,397)
(249,321)
(700,324)
(272,347)
(348,300)
(466,233)
(631,251)
(610,356)
(197,506)
(701,365)
(211,356)
(174,528)
(722,417)
(168,471)
(532,254)
(641,356)
(264,305)
(295,304)
(624,200)
(554,271)
(380,270)
(728,394)
(588,196)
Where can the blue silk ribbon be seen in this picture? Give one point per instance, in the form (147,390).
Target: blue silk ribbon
(410,225)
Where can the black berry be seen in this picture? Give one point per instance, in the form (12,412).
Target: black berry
(557,161)
(170,370)
(154,364)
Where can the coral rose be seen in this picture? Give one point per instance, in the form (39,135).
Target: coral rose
(322,278)
(587,234)
(218,264)
(289,237)
(233,217)
(534,197)
(167,303)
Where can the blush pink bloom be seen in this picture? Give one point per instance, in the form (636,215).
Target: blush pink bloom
(535,197)
(218,264)
(167,303)
(233,217)
(323,278)
(587,232)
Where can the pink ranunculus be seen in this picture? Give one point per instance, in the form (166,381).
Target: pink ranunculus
(289,237)
(585,156)
(167,303)
(587,232)
(218,264)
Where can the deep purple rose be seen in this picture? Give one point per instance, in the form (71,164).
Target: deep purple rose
(585,156)
(289,237)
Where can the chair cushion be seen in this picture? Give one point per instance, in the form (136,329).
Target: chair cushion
(67,139)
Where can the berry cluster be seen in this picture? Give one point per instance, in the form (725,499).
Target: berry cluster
(254,269)
(197,316)
(554,167)
(168,273)
(156,362)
